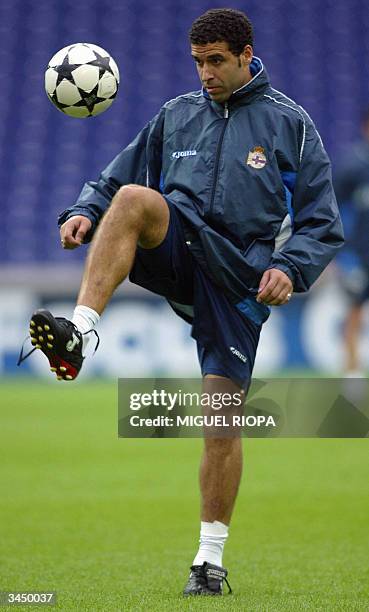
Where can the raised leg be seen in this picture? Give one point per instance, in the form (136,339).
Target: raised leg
(137,215)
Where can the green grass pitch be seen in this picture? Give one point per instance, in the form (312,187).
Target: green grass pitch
(113,524)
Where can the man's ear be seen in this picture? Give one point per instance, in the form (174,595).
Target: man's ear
(247,55)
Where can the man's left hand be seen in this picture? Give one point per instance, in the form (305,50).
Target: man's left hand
(275,288)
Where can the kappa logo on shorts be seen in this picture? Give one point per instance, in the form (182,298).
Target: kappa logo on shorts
(179,154)
(238,354)
(256,158)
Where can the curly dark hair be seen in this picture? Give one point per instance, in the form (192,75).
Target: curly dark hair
(218,25)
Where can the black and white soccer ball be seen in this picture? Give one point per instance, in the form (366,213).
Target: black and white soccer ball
(82,80)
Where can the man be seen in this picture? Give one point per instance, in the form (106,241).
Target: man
(352,189)
(224,205)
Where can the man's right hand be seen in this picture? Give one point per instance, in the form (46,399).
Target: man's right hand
(73,231)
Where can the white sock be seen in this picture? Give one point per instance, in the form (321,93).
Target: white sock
(85,318)
(212,540)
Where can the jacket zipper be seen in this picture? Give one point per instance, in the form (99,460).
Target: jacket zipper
(219,150)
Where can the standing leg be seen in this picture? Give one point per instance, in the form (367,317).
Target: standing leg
(220,476)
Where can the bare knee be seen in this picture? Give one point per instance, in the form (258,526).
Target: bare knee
(129,200)
(131,192)
(222,447)
(146,212)
(127,208)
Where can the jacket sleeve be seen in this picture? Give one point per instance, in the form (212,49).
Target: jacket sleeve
(138,163)
(317,228)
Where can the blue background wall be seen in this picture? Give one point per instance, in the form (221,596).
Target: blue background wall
(315,51)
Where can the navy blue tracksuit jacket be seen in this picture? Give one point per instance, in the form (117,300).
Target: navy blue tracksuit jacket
(251,180)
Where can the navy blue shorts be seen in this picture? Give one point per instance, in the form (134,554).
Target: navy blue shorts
(226,339)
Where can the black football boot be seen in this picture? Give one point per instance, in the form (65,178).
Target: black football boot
(61,342)
(206,579)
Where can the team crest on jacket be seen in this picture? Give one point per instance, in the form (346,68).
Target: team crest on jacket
(257,158)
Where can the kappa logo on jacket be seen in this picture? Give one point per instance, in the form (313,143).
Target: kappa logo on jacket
(257,158)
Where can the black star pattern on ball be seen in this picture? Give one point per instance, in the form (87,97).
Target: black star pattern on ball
(55,100)
(102,63)
(65,70)
(89,99)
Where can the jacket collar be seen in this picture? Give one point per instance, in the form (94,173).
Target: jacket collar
(251,90)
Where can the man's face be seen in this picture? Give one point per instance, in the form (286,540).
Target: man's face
(221,72)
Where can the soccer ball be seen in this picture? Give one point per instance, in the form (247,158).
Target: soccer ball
(82,80)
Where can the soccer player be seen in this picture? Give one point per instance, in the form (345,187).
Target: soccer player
(223,204)
(352,189)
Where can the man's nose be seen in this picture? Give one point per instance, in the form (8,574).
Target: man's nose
(206,74)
